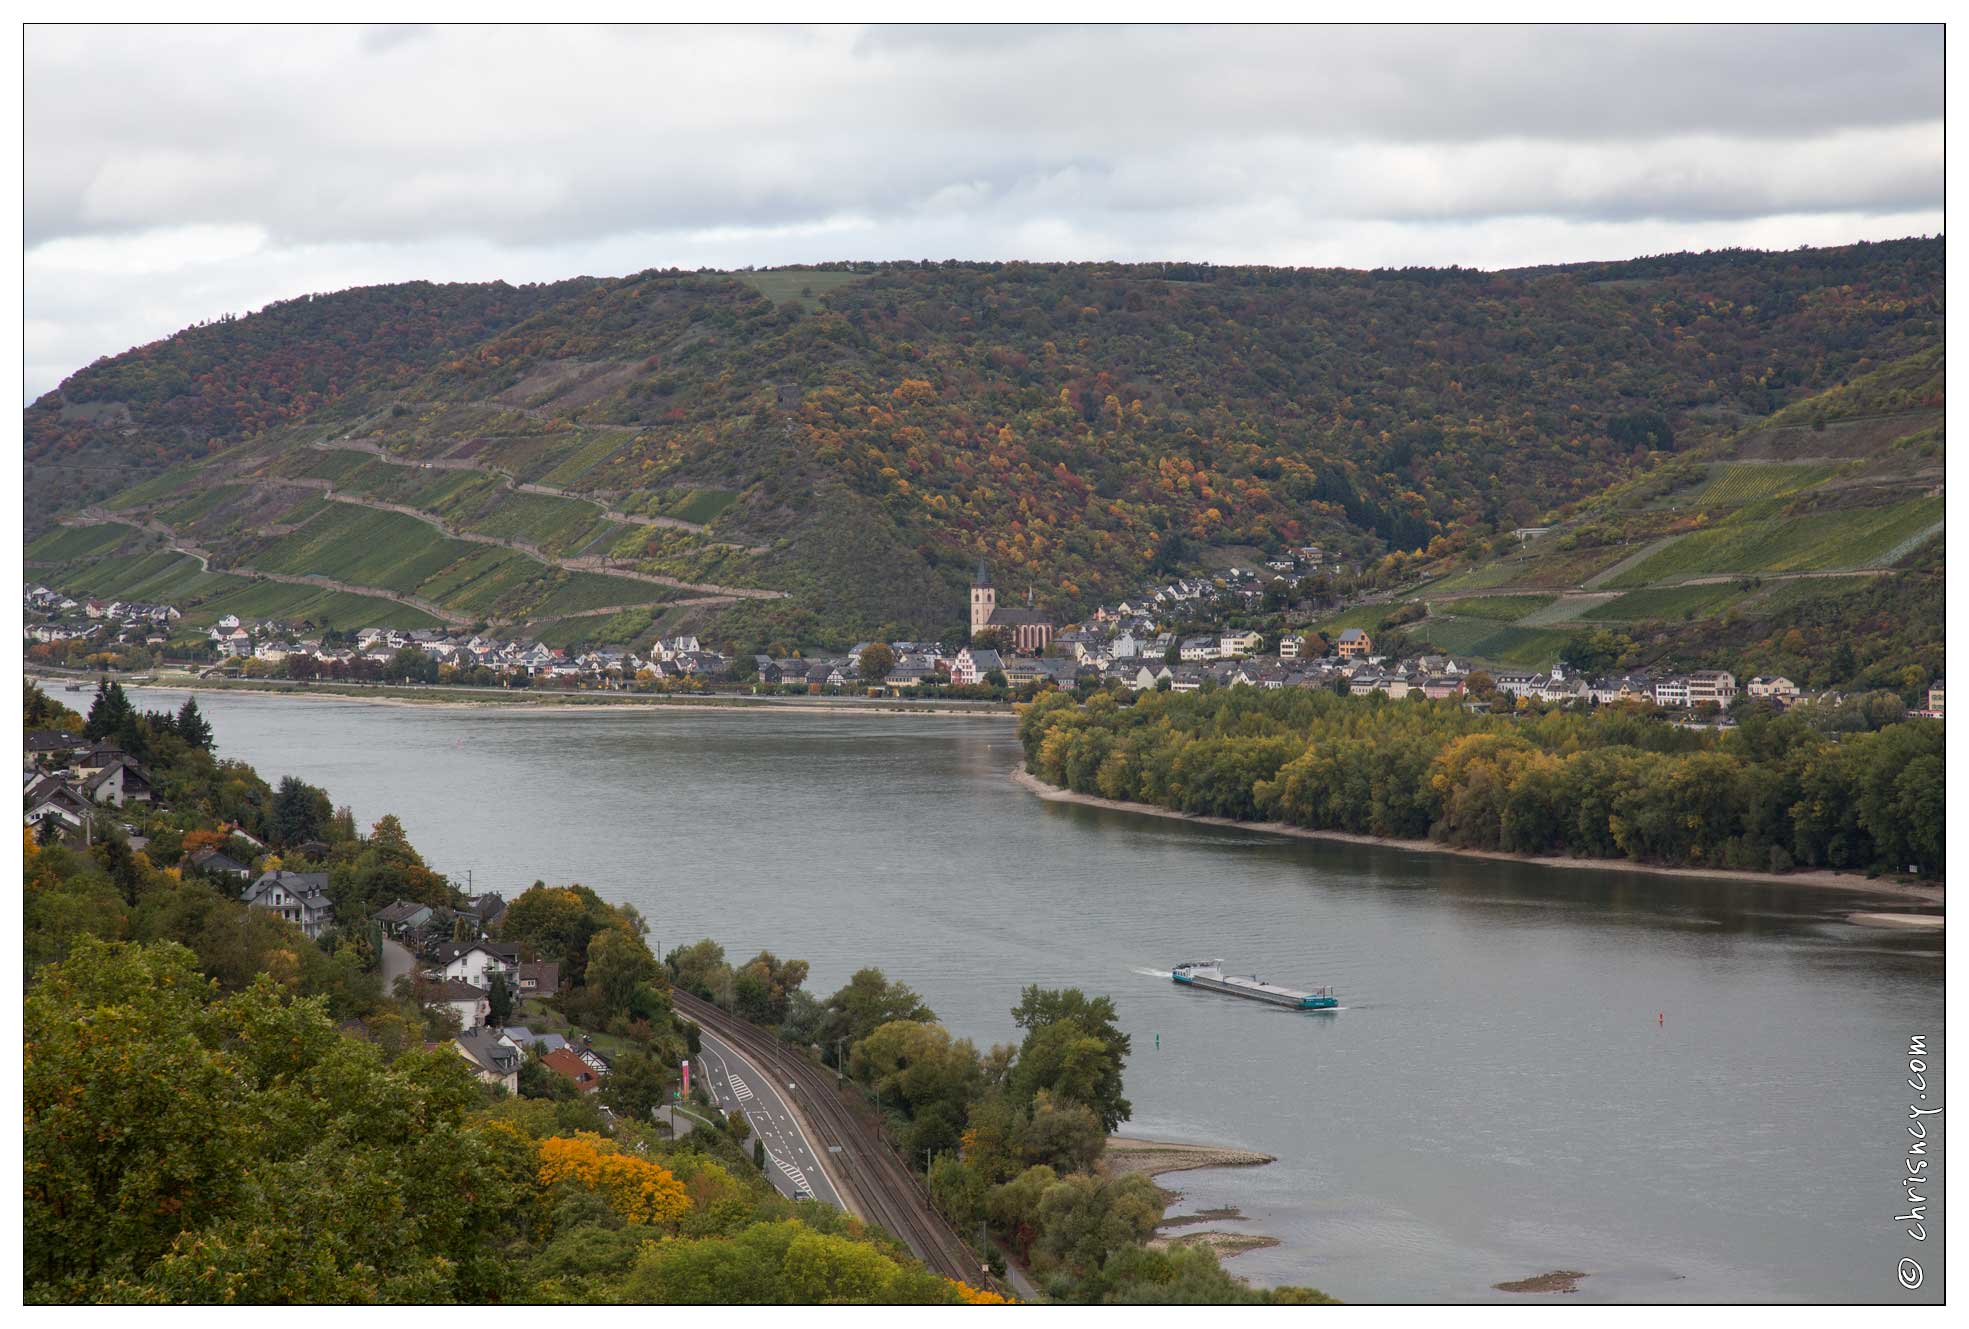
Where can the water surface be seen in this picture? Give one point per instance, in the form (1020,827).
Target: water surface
(1692,1090)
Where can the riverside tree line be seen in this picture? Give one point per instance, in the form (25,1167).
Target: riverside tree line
(1776,791)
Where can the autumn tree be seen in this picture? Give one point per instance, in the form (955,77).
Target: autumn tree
(208,1202)
(639,1191)
(876,661)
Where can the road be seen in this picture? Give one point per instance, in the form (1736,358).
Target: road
(737,1085)
(876,1184)
(177,674)
(397,962)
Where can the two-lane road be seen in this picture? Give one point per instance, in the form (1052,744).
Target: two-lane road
(737,1085)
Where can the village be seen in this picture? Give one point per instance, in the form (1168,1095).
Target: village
(446,957)
(1177,636)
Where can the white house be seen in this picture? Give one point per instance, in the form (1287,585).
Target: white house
(1672,691)
(475,962)
(1235,644)
(972,664)
(1712,685)
(471,1004)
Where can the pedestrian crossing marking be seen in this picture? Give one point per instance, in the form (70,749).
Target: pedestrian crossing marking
(794,1175)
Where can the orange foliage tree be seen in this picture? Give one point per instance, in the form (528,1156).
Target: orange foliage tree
(638,1190)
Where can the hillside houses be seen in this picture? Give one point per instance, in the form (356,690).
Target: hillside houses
(493,1058)
(299,897)
(69,779)
(973,664)
(477,962)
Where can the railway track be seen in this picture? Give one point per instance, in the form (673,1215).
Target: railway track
(865,1168)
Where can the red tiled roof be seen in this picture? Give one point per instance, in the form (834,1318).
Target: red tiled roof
(574,1068)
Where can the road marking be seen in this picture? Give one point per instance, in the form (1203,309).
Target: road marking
(739,1087)
(801,1135)
(794,1175)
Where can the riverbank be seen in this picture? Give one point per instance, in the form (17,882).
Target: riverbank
(1816,879)
(509,701)
(1153,1158)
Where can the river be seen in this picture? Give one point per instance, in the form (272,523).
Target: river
(1690,1090)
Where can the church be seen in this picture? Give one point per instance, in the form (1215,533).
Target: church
(1026,631)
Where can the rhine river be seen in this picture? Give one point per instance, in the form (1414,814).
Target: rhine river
(1690,1090)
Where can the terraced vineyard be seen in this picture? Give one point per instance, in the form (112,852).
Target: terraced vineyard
(1488,642)
(1794,516)
(395,552)
(1504,608)
(829,461)
(82,560)
(1746,482)
(1765,537)
(1669,602)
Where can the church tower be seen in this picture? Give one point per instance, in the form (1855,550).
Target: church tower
(984,600)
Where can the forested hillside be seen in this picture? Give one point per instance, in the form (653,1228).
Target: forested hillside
(176,399)
(818,454)
(1806,544)
(224,1108)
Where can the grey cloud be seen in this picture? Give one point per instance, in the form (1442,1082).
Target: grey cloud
(491,151)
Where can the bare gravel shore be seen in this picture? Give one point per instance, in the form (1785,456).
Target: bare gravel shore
(1226,1244)
(1152,1158)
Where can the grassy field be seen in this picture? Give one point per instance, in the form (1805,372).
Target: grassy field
(1503,608)
(1763,538)
(805,289)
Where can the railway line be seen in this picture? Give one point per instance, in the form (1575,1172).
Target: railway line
(867,1171)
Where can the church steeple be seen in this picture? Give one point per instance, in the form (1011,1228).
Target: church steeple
(984,600)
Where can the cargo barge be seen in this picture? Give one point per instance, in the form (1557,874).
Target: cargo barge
(1209,975)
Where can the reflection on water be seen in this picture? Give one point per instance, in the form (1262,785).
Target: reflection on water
(1688,1088)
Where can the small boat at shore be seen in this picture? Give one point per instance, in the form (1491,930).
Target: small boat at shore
(1210,976)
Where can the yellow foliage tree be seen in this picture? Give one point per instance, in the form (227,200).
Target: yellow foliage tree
(638,1190)
(977,1296)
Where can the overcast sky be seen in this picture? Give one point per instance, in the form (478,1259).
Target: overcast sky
(177,174)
